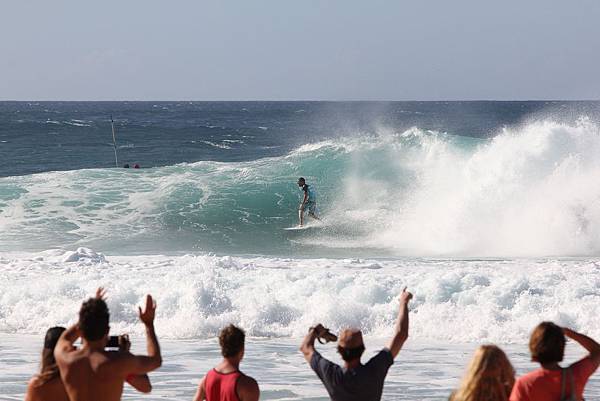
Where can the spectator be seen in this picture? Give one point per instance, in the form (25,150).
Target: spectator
(552,382)
(355,381)
(226,382)
(47,386)
(91,373)
(490,377)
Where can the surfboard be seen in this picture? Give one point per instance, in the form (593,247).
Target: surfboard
(316,224)
(298,228)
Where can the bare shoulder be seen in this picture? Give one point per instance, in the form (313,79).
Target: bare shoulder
(67,355)
(247,382)
(34,382)
(114,360)
(247,388)
(32,388)
(52,389)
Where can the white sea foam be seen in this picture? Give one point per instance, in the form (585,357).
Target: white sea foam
(217,145)
(454,301)
(74,123)
(529,191)
(83,256)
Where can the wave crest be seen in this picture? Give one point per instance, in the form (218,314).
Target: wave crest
(528,191)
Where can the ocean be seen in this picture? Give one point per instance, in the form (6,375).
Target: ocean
(488,211)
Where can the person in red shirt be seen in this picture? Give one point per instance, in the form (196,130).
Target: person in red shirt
(552,382)
(225,382)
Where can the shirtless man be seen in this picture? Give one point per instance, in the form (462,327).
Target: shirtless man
(225,382)
(91,373)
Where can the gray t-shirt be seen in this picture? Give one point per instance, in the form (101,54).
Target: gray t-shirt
(363,383)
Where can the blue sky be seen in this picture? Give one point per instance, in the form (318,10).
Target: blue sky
(289,50)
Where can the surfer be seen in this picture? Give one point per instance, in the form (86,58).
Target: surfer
(309,201)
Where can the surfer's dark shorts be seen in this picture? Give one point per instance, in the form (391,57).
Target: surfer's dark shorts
(311,207)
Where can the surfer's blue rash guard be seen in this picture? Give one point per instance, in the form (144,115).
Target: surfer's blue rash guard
(311,198)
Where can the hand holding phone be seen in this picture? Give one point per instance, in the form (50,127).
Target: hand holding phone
(120,343)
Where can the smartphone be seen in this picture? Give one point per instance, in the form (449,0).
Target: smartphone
(113,342)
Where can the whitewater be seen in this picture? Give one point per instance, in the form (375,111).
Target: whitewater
(492,234)
(530,191)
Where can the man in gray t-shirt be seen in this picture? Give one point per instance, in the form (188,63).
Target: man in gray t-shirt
(355,381)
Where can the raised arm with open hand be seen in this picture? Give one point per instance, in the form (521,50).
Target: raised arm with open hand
(140,364)
(147,317)
(101,293)
(401,329)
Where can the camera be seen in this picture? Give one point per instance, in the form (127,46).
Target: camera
(113,342)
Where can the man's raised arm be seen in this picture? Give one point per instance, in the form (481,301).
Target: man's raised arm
(147,317)
(308,344)
(139,364)
(139,382)
(401,329)
(65,342)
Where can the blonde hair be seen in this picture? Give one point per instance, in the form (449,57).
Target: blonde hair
(489,377)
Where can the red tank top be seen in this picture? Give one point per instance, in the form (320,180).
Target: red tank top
(221,386)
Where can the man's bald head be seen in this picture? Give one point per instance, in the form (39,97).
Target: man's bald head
(350,344)
(350,338)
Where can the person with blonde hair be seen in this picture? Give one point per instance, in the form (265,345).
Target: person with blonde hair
(489,377)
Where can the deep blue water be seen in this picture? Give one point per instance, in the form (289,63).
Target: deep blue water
(49,136)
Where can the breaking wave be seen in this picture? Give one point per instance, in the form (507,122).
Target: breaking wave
(528,191)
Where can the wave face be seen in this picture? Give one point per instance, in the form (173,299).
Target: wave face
(497,301)
(529,191)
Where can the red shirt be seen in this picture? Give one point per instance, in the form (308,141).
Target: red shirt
(544,385)
(221,386)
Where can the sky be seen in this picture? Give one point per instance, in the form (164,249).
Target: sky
(299,50)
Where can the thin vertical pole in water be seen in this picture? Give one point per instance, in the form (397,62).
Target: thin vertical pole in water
(112,124)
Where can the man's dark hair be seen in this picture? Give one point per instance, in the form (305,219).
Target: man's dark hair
(231,341)
(547,343)
(93,319)
(301,179)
